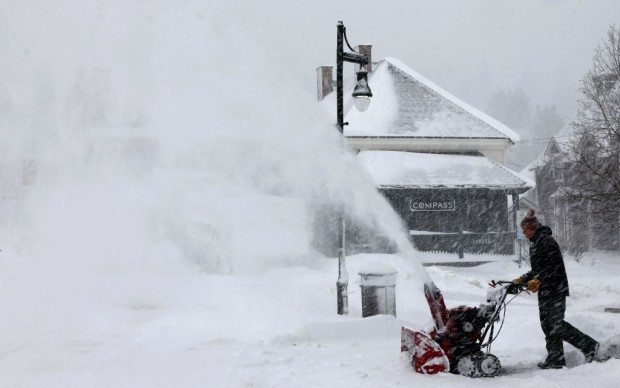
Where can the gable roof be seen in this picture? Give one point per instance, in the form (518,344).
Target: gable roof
(405,104)
(560,142)
(421,170)
(559,146)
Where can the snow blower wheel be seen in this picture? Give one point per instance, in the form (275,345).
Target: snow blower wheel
(466,367)
(489,365)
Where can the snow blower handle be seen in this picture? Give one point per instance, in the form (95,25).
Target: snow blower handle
(511,287)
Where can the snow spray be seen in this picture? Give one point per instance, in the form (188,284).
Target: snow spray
(141,143)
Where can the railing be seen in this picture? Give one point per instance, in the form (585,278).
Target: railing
(501,243)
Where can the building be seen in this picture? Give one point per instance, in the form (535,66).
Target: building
(437,160)
(573,221)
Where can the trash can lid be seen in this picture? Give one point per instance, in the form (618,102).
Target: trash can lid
(378,274)
(377,268)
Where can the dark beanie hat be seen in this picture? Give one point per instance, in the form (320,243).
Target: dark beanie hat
(530,218)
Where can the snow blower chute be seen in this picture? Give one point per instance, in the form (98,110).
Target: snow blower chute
(457,342)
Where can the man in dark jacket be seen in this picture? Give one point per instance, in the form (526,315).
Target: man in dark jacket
(548,278)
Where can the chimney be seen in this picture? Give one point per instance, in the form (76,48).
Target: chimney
(324,84)
(365,49)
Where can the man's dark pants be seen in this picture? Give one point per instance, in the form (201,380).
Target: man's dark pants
(551,310)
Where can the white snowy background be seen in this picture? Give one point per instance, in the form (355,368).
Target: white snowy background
(158,124)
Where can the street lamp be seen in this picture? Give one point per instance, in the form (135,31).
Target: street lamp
(361,96)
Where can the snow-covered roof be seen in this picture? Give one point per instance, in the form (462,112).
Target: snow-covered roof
(405,104)
(528,171)
(564,137)
(530,196)
(420,170)
(558,144)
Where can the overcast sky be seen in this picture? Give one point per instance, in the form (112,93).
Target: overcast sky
(469,47)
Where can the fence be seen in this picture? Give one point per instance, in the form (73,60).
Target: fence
(501,243)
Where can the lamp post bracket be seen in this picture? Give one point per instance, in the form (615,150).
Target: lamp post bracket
(355,58)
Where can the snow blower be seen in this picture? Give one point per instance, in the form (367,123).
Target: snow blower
(460,334)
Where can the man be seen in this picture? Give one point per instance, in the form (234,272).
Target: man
(548,278)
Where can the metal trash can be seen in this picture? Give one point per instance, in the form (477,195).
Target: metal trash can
(378,284)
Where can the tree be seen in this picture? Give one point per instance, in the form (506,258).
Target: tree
(512,107)
(594,161)
(546,122)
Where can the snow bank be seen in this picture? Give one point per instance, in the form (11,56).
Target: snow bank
(280,329)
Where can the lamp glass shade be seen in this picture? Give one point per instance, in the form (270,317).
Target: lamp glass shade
(361,93)
(361,102)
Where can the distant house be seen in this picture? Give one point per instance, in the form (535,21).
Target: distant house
(436,159)
(549,170)
(529,199)
(571,220)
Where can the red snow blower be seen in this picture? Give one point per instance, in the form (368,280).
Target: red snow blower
(460,334)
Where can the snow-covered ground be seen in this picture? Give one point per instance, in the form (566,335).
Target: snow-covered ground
(279,328)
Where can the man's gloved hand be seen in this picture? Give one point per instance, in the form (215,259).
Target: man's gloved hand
(518,281)
(533,285)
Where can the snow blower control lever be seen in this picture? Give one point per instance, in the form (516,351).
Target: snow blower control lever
(460,334)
